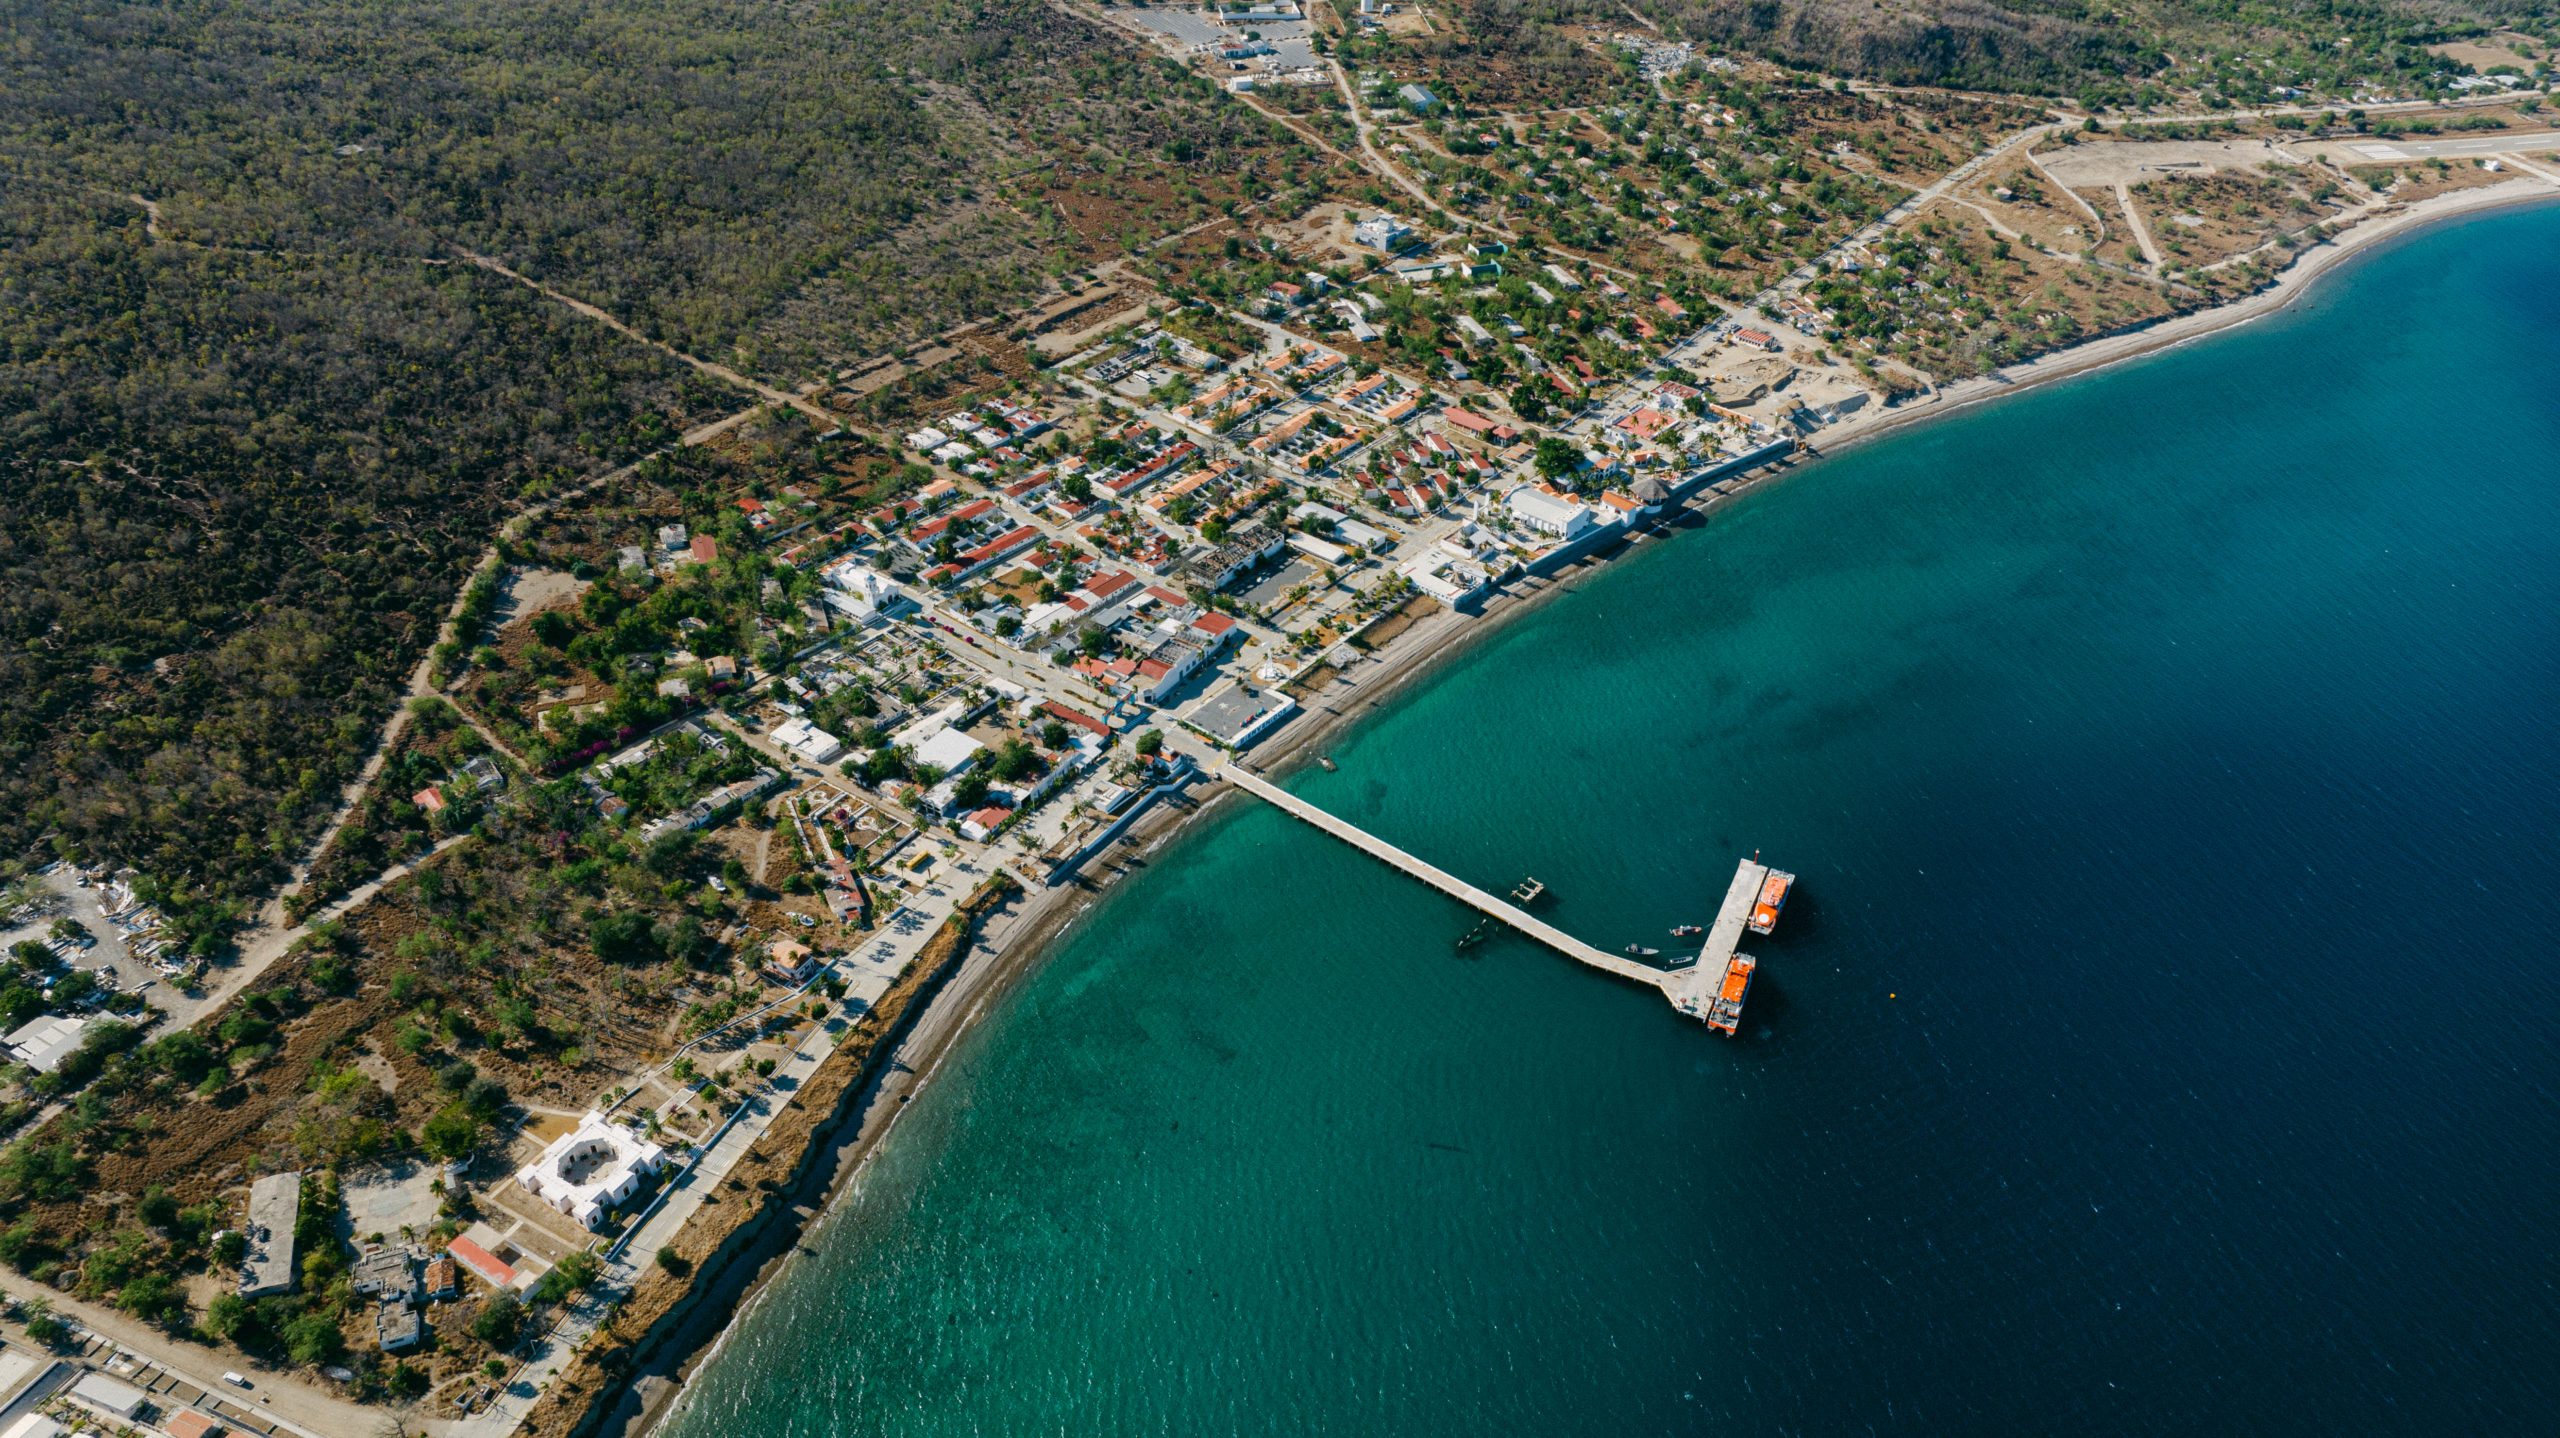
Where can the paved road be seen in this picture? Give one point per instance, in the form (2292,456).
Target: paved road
(188,1376)
(876,963)
(2369,149)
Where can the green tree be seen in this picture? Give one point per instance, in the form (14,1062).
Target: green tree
(313,1337)
(47,1174)
(625,936)
(485,1099)
(570,1275)
(451,1133)
(497,1321)
(157,1208)
(153,1297)
(227,1316)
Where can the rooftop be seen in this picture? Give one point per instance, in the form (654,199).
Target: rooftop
(1239,714)
(275,1205)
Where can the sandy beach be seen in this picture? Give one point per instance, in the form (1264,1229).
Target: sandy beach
(1010,944)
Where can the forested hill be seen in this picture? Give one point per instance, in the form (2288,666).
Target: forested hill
(266,475)
(694,167)
(243,462)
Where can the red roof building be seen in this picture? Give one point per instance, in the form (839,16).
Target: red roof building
(1065,715)
(482,1262)
(705,549)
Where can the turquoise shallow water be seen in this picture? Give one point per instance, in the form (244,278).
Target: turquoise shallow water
(2159,1040)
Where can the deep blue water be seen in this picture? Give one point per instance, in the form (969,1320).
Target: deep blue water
(2161,1038)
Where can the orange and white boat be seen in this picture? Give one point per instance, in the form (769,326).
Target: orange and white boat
(1773,897)
(1725,1010)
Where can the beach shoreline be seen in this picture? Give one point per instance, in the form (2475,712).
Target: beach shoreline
(1008,950)
(2291,284)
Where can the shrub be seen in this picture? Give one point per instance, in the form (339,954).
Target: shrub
(157,1209)
(47,1175)
(674,1262)
(313,1338)
(497,1321)
(153,1297)
(484,1098)
(21,1241)
(332,971)
(567,1277)
(623,937)
(183,1055)
(227,1315)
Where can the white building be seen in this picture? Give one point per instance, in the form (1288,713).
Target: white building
(275,1207)
(1364,536)
(45,1043)
(950,750)
(864,594)
(1548,513)
(808,741)
(120,1401)
(591,1168)
(1382,232)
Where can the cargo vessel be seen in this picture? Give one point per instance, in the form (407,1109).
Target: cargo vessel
(1724,1011)
(1773,897)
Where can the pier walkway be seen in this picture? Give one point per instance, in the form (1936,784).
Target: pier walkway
(1675,985)
(1725,934)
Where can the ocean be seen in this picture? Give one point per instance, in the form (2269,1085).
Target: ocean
(2159,1039)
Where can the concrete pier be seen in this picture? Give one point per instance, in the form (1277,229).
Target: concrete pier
(1674,986)
(1725,934)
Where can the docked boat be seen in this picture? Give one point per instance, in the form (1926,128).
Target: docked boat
(1327,761)
(1686,931)
(1773,897)
(1724,1011)
(1641,952)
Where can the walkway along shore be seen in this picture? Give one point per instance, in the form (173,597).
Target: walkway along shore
(642,1394)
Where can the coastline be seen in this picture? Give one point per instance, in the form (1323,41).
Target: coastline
(2291,284)
(1008,949)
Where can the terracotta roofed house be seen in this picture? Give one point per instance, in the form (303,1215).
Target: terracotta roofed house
(188,1423)
(482,1262)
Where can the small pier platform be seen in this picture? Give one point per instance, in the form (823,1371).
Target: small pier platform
(1701,985)
(1692,990)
